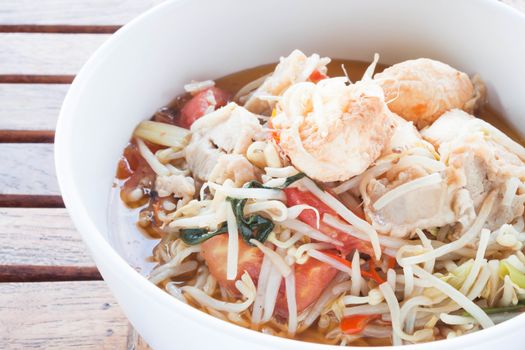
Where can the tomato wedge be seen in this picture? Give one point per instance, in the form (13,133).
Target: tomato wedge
(135,171)
(199,104)
(355,324)
(295,196)
(311,278)
(215,253)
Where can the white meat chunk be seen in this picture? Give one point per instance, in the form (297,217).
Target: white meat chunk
(229,130)
(295,68)
(177,185)
(406,139)
(333,130)
(421,90)
(394,202)
(480,159)
(234,167)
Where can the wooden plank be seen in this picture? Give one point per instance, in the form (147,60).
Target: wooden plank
(60,315)
(93,12)
(54,54)
(30,106)
(27,169)
(41,236)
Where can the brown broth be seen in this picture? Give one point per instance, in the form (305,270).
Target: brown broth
(232,83)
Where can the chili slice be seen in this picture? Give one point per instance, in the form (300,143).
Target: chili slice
(368,274)
(356,323)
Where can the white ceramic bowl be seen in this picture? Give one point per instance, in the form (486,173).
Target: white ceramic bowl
(147,62)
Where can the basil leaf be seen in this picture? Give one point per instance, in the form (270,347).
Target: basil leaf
(192,236)
(290,180)
(255,226)
(260,227)
(255,184)
(287,182)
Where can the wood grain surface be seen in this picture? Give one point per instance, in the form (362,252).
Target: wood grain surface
(66,12)
(27,169)
(60,315)
(30,106)
(40,236)
(55,54)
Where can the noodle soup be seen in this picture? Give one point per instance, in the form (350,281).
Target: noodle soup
(336,202)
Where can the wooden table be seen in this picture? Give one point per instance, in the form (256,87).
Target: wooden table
(51,294)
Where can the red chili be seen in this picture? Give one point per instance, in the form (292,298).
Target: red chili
(356,323)
(391,262)
(317,76)
(372,274)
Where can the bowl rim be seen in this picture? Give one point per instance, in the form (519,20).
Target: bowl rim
(94,239)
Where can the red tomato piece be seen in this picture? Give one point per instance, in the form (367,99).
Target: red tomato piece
(295,196)
(311,278)
(215,253)
(135,170)
(198,105)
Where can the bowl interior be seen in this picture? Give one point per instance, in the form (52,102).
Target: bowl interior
(146,64)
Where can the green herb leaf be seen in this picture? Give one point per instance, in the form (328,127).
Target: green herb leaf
(260,227)
(503,309)
(254,226)
(290,180)
(287,182)
(192,236)
(255,184)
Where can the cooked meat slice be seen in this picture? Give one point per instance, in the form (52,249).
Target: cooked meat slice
(229,130)
(421,90)
(430,204)
(234,167)
(179,186)
(481,159)
(330,130)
